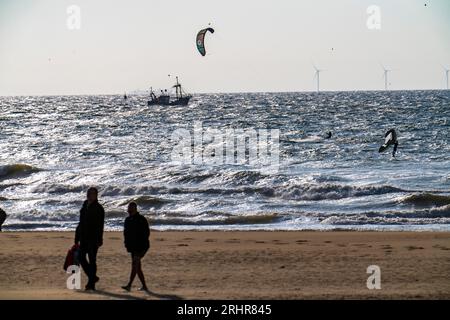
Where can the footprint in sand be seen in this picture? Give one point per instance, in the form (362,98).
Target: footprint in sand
(58,237)
(387,248)
(233,241)
(278,242)
(437,246)
(414,248)
(361,245)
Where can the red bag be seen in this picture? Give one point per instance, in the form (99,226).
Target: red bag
(72,257)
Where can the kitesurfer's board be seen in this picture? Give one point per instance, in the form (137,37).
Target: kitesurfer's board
(386,143)
(388,138)
(311,139)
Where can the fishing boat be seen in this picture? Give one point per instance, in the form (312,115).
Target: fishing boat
(164,99)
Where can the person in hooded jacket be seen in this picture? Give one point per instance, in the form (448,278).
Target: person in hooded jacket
(136,235)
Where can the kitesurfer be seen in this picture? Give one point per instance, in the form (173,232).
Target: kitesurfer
(390,139)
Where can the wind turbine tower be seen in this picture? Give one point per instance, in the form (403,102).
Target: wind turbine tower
(386,78)
(317,77)
(446,77)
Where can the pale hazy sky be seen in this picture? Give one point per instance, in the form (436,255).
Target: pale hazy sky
(259,45)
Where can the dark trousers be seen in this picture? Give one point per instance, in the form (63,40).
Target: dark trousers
(395,149)
(89,266)
(2,218)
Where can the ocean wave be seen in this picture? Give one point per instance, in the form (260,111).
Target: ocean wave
(228,177)
(219,219)
(438,212)
(149,195)
(192,178)
(328,178)
(13,170)
(377,221)
(147,201)
(443,210)
(114,214)
(4,186)
(243,177)
(161,190)
(311,139)
(32,226)
(439,215)
(59,188)
(112,191)
(427,200)
(317,192)
(266,191)
(295,191)
(287,191)
(38,216)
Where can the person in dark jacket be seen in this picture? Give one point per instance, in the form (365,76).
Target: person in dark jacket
(136,233)
(2,218)
(89,235)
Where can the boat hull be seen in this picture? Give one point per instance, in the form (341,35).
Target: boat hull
(184,101)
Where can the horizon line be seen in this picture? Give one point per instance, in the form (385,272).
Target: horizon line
(218,92)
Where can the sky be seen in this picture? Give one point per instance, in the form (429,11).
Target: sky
(258,46)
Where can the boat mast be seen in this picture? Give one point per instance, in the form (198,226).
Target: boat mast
(178,87)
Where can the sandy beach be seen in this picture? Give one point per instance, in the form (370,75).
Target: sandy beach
(237,265)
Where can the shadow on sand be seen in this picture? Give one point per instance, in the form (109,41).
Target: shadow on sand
(113,295)
(129,296)
(163,296)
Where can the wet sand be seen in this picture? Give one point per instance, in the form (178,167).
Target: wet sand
(237,265)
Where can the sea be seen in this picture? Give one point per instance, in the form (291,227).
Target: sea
(52,148)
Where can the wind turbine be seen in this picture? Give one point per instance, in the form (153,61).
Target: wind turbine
(317,76)
(446,76)
(386,76)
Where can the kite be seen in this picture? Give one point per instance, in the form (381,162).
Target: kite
(201,40)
